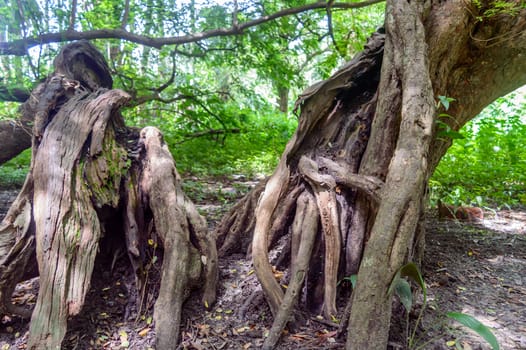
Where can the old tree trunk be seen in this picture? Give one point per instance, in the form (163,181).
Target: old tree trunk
(353,176)
(95,184)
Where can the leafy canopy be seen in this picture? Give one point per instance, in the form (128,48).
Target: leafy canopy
(487,166)
(226,93)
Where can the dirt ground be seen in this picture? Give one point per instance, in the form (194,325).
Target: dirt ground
(478,269)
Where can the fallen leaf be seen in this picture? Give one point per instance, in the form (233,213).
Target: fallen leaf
(300,336)
(144,331)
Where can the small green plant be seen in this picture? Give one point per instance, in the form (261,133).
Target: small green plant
(498,7)
(402,288)
(351,279)
(443,129)
(475,325)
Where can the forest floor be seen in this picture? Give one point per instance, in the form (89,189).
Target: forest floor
(478,269)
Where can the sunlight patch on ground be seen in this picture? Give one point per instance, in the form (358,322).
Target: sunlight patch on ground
(506,221)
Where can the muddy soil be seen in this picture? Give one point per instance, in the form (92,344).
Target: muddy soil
(478,269)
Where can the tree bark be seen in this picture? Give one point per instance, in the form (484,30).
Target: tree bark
(405,67)
(79,62)
(90,177)
(366,144)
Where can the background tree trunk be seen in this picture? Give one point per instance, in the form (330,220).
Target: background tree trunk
(91,177)
(365,150)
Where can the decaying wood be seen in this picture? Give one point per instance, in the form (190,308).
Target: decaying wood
(90,176)
(324,187)
(81,65)
(305,232)
(329,181)
(175,218)
(17,249)
(67,226)
(447,211)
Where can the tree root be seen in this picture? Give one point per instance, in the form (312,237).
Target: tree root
(324,191)
(176,221)
(264,212)
(306,226)
(239,220)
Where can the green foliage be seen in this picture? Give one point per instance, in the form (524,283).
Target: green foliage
(401,287)
(489,9)
(13,173)
(255,150)
(486,165)
(443,129)
(221,83)
(351,279)
(475,325)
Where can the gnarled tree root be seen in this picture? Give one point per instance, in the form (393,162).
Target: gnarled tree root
(305,227)
(175,218)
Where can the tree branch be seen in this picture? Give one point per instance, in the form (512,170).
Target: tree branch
(73,15)
(126,14)
(13,94)
(20,47)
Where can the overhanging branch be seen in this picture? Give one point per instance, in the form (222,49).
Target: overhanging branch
(20,47)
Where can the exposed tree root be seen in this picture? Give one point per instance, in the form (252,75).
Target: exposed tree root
(175,219)
(231,231)
(320,167)
(305,227)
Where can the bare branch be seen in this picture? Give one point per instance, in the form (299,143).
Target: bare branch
(126,14)
(73,15)
(330,3)
(156,97)
(210,132)
(13,94)
(19,47)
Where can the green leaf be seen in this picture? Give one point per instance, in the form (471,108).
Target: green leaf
(444,101)
(352,279)
(475,325)
(454,135)
(403,290)
(412,271)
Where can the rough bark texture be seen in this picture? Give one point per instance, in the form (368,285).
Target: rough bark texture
(390,240)
(364,148)
(91,177)
(85,68)
(175,217)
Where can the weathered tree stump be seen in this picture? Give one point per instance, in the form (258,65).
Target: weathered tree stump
(90,175)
